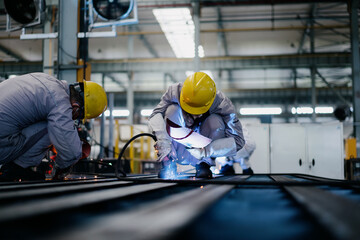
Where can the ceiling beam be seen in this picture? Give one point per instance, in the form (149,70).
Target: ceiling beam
(320,60)
(212,3)
(286,96)
(290,61)
(11,53)
(146,43)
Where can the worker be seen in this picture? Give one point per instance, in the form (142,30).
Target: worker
(37,112)
(196,105)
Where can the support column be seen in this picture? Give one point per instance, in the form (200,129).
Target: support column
(196,7)
(67,40)
(313,67)
(130,98)
(83,53)
(102,126)
(130,89)
(355,61)
(48,50)
(111,125)
(313,92)
(295,95)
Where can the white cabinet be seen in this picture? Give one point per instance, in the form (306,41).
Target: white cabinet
(287,148)
(314,148)
(260,159)
(325,150)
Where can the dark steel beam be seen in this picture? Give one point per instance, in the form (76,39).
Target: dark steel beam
(245,180)
(17,186)
(50,190)
(48,205)
(339,215)
(158,220)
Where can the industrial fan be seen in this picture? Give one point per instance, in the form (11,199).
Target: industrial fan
(25,13)
(113,9)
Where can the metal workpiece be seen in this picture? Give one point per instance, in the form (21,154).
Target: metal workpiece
(49,205)
(31,193)
(283,206)
(154,221)
(16,186)
(339,214)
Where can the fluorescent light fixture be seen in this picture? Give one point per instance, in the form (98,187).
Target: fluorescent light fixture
(179,29)
(146,112)
(261,111)
(302,110)
(310,110)
(12,76)
(118,113)
(324,110)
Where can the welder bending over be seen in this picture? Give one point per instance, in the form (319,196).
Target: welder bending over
(37,111)
(196,104)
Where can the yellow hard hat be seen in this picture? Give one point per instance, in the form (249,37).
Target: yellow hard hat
(95,100)
(198,93)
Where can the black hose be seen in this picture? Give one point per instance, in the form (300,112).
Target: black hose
(119,166)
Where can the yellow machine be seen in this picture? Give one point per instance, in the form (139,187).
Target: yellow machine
(352,163)
(350,148)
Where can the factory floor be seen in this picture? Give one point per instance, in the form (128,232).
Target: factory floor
(261,206)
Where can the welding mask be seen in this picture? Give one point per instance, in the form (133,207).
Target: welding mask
(90,97)
(77,100)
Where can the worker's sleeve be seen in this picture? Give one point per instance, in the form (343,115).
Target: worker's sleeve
(156,120)
(171,96)
(233,127)
(63,133)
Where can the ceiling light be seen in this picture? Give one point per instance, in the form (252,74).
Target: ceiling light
(179,29)
(118,113)
(146,112)
(310,110)
(302,110)
(261,111)
(324,110)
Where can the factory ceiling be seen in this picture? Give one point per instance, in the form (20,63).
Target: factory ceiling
(250,48)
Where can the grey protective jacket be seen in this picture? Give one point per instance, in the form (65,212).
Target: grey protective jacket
(221,106)
(37,97)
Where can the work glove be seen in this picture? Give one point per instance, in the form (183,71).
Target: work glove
(163,146)
(86,149)
(60,173)
(163,149)
(223,147)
